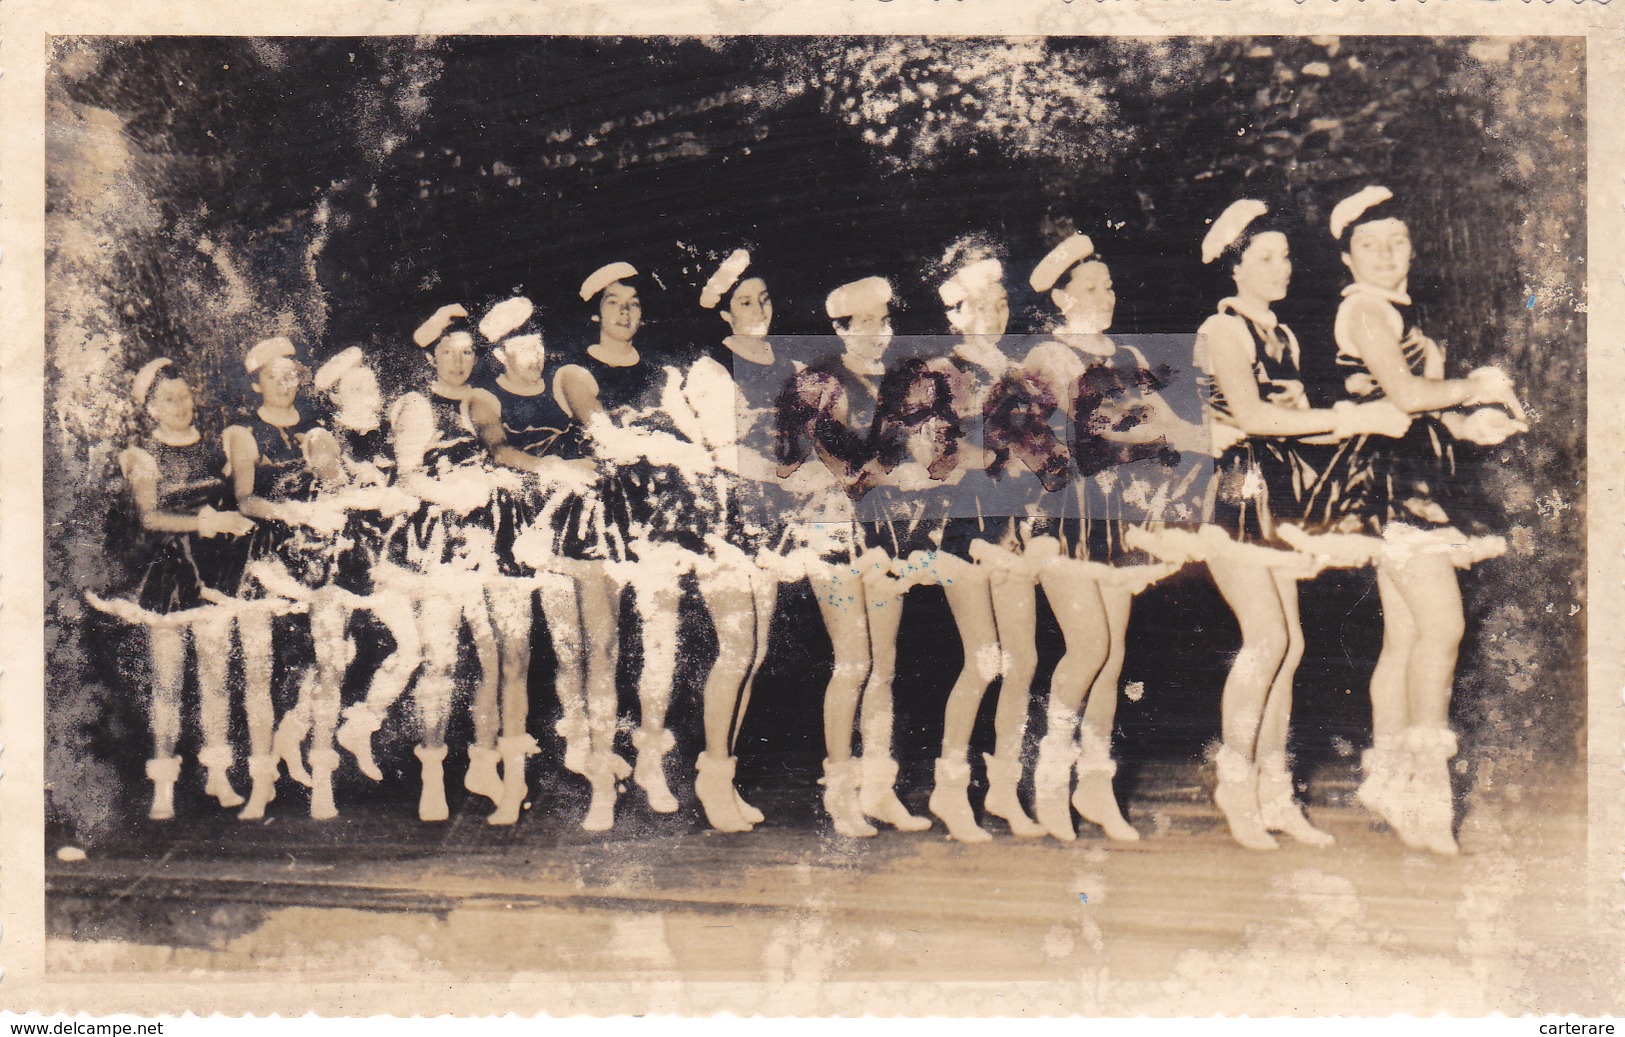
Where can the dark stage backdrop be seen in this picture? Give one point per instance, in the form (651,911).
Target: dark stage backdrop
(205,193)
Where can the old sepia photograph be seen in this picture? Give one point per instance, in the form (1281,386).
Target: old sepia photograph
(804,511)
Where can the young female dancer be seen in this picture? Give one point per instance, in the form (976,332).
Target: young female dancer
(733,386)
(448,543)
(612,376)
(994,606)
(524,428)
(1108,394)
(181,500)
(293,543)
(828,410)
(1253,387)
(1406,499)
(355,466)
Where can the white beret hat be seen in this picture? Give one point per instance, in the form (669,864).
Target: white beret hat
(145,377)
(1351,208)
(266,351)
(605,276)
(858,295)
(1228,227)
(1061,258)
(727,275)
(431,330)
(506,317)
(970,279)
(328,374)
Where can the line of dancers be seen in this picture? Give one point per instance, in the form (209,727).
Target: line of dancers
(993,466)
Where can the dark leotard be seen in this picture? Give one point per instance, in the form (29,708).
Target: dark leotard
(281,475)
(178,566)
(1263,479)
(1420,479)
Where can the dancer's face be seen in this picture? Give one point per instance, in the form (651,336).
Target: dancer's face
(1265,268)
(357,394)
(171,406)
(985,311)
(619,312)
(1380,253)
(524,357)
(454,358)
(750,309)
(1088,301)
(868,332)
(279,381)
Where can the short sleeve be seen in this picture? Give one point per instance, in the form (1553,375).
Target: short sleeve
(136,465)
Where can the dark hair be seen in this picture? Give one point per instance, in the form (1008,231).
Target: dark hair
(593,300)
(1268,223)
(1389,209)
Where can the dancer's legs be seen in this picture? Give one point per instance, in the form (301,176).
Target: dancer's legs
(486,704)
(971,604)
(211,640)
(1277,715)
(981,663)
(600,604)
(657,603)
(1081,612)
(877,795)
(1254,597)
(439,618)
(389,680)
(167,647)
(1015,611)
(329,618)
(1429,586)
(1390,690)
(728,598)
(508,603)
(561,607)
(254,636)
(843,602)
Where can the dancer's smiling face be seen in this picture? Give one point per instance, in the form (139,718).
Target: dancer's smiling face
(750,309)
(524,357)
(985,311)
(867,332)
(1265,268)
(357,393)
(1380,253)
(170,405)
(454,358)
(1087,300)
(278,381)
(620,314)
